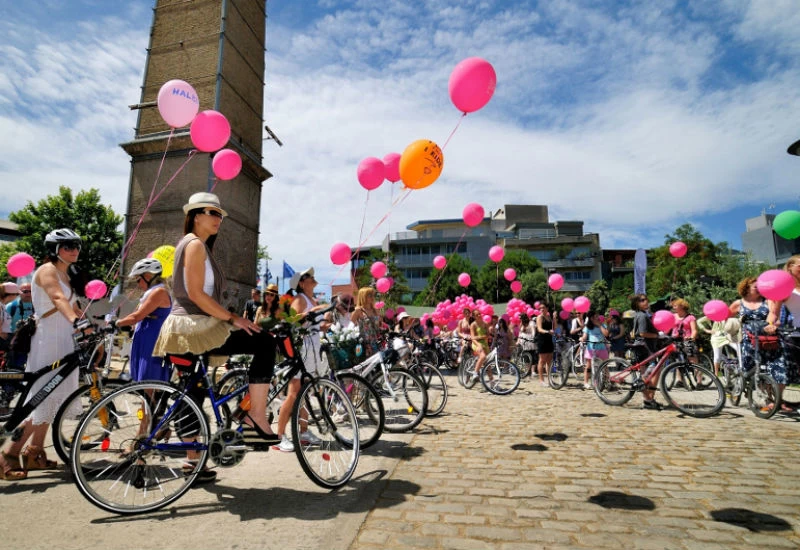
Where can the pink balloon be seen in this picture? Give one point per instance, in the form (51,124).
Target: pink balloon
(775,284)
(20,264)
(582,304)
(389,314)
(510,274)
(391,164)
(340,254)
(371,173)
(95,289)
(439,262)
(226,164)
(472,84)
(555,281)
(436,331)
(663,320)
(496,254)
(400,309)
(487,318)
(516,286)
(379,305)
(678,249)
(473,214)
(177,103)
(564,314)
(452,325)
(464,279)
(210,131)
(537,303)
(536,312)
(716,310)
(567,304)
(383,285)
(378,269)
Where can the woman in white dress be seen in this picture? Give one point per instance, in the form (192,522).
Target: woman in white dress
(55,303)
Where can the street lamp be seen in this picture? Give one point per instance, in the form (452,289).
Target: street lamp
(794,148)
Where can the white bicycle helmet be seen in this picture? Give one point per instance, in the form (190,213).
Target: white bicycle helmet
(58,237)
(147,265)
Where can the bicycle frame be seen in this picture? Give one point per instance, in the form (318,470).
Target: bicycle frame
(664,354)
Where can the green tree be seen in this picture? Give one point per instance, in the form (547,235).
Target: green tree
(84,214)
(447,285)
(492,285)
(599,296)
(534,287)
(6,251)
(667,272)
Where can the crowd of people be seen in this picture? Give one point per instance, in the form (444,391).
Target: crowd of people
(190,320)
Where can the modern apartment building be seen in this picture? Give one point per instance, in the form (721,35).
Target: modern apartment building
(561,246)
(764,245)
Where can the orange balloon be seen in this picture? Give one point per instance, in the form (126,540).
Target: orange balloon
(421,164)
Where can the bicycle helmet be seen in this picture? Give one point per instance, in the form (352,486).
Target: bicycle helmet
(147,265)
(57,237)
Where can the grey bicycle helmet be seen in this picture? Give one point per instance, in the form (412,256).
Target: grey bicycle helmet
(147,265)
(57,237)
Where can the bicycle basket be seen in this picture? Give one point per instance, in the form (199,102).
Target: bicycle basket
(344,355)
(769,342)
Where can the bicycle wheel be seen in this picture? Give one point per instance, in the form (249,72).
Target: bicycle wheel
(435,385)
(429,356)
(10,392)
(500,377)
(558,372)
(732,380)
(467,373)
(577,362)
(689,391)
(614,381)
(525,363)
(144,463)
(368,407)
(325,431)
(404,398)
(72,410)
(763,395)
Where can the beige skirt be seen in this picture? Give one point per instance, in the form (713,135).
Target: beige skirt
(191,334)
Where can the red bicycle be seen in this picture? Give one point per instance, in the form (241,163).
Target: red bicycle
(691,388)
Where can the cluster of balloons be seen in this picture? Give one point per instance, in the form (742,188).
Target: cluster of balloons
(517,307)
(390,313)
(372,171)
(581,304)
(448,313)
(178,105)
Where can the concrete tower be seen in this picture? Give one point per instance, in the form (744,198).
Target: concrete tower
(217,46)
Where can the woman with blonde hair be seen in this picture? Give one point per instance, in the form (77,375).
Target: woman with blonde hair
(366,316)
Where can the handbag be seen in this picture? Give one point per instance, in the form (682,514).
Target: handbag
(21,341)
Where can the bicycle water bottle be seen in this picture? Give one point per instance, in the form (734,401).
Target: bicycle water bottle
(650,368)
(243,408)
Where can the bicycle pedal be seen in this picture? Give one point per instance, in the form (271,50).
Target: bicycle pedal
(638,385)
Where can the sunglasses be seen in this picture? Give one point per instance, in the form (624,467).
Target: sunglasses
(25,291)
(70,246)
(214,213)
(272,294)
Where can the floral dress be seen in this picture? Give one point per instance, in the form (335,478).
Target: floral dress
(752,321)
(369,326)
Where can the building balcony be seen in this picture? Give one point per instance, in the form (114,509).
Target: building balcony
(558,264)
(525,241)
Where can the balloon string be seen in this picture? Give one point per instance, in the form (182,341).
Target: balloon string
(126,247)
(216,181)
(363,217)
(447,263)
(454,130)
(400,198)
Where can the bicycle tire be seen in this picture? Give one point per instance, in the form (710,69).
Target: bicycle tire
(577,363)
(614,381)
(435,385)
(135,469)
(732,380)
(500,377)
(689,393)
(10,392)
(67,418)
(331,460)
(368,407)
(405,400)
(557,372)
(763,396)
(468,378)
(429,356)
(525,363)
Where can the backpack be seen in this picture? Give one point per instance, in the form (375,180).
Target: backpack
(21,341)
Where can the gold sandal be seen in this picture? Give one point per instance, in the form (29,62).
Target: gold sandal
(7,470)
(34,458)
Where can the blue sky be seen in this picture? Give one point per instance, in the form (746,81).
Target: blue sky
(635,117)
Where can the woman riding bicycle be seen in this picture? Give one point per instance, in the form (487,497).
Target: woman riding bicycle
(200,324)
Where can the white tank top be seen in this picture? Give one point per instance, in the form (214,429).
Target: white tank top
(792,303)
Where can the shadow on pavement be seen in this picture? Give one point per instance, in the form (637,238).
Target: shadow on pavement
(621,501)
(750,520)
(529,447)
(552,437)
(594,415)
(394,449)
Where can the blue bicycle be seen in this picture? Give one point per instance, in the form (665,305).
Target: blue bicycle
(162,438)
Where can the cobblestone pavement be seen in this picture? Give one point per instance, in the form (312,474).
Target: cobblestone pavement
(559,469)
(536,469)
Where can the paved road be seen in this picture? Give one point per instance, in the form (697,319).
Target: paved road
(537,469)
